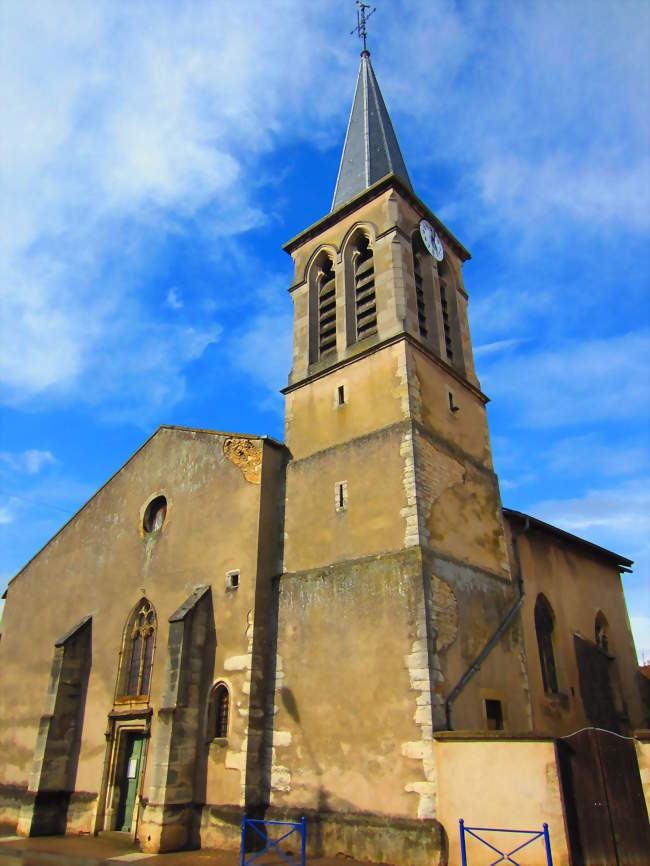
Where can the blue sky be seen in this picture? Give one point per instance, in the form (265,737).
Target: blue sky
(155,156)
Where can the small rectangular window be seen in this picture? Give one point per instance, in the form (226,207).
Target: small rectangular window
(494,713)
(232,580)
(341,395)
(452,406)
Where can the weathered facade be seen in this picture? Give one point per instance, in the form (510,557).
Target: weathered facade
(233,623)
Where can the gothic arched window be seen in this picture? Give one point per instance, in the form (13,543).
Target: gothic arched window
(218,712)
(544,625)
(137,654)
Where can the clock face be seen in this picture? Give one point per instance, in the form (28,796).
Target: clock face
(431,240)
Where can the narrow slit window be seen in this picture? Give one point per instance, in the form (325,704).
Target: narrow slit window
(221,707)
(341,395)
(341,496)
(327,310)
(544,626)
(365,302)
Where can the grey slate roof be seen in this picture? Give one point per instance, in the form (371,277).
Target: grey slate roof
(371,150)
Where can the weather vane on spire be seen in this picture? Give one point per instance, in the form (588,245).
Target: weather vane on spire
(362,17)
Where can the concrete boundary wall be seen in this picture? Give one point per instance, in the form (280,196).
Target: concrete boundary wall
(491,781)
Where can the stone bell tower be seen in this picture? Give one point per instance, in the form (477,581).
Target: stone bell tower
(395,564)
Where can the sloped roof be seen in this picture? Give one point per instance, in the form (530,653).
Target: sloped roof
(621,562)
(371,150)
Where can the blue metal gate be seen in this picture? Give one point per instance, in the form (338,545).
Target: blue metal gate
(271,844)
(504,856)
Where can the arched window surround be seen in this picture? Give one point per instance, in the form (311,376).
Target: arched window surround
(424,269)
(361,318)
(137,655)
(219,711)
(323,305)
(602,635)
(449,341)
(545,630)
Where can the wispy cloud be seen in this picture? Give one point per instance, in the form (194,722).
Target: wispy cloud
(137,134)
(576,382)
(587,454)
(173,299)
(496,348)
(30,461)
(6,516)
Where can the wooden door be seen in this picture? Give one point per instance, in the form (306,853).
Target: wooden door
(129,783)
(604,806)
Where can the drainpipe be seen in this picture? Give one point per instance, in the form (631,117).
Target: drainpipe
(496,637)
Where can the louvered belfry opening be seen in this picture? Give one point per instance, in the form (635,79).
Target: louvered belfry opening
(326,309)
(419,293)
(364,290)
(446,321)
(418,255)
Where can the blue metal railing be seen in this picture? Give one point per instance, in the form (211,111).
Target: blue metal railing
(504,856)
(270,844)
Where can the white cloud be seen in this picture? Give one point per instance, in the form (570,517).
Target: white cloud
(543,104)
(496,348)
(173,300)
(6,515)
(623,510)
(262,348)
(119,128)
(30,461)
(576,382)
(587,454)
(617,518)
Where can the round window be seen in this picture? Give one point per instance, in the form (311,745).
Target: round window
(155,514)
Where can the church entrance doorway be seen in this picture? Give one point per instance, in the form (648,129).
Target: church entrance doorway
(129,781)
(126,757)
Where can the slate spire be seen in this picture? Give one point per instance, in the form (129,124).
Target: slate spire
(371,150)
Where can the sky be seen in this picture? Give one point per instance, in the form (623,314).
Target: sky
(155,156)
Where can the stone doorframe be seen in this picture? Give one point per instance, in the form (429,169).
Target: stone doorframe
(121,723)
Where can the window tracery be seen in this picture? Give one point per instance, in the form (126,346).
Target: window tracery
(137,658)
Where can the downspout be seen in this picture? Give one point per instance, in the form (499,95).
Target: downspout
(496,637)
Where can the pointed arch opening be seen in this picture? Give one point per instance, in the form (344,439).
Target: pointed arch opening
(138,644)
(219,712)
(322,308)
(601,632)
(360,297)
(544,628)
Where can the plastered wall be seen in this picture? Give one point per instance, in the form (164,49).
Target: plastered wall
(500,783)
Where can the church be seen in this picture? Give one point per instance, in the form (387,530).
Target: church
(347,625)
